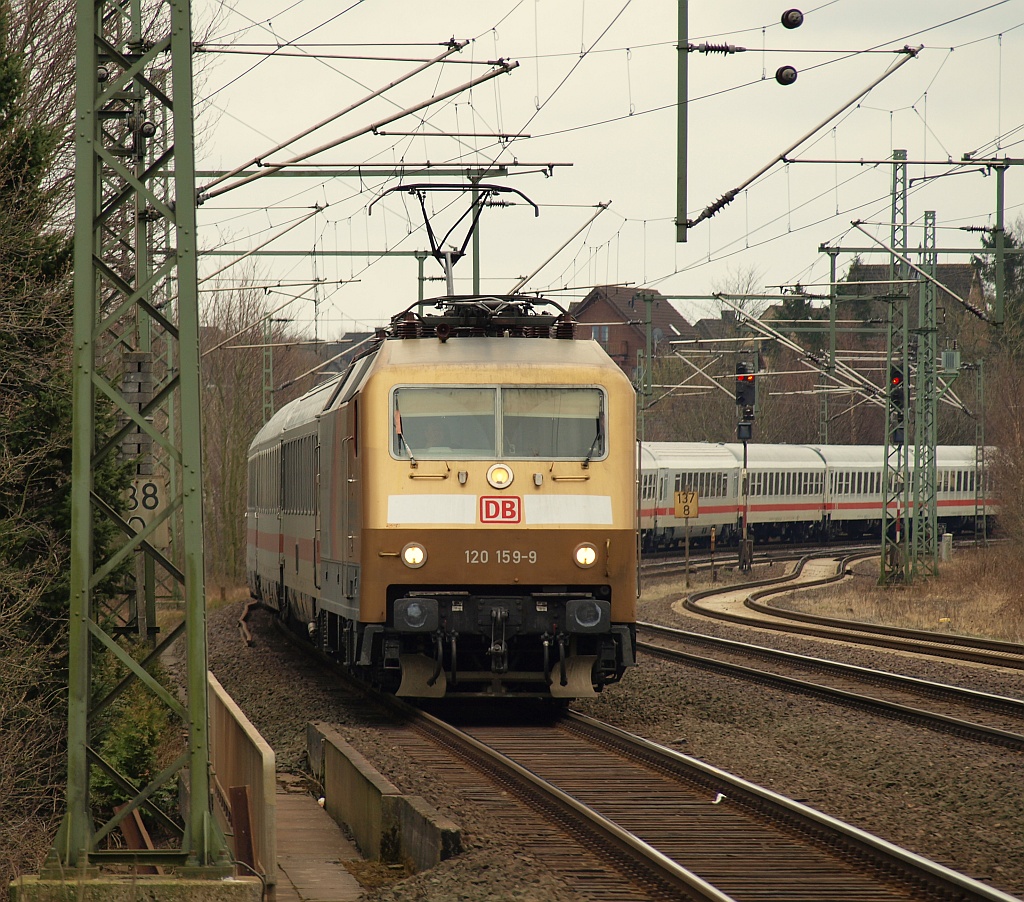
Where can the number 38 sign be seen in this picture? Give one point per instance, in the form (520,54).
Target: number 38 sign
(146,501)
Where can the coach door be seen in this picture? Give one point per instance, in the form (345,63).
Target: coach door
(347,498)
(316,512)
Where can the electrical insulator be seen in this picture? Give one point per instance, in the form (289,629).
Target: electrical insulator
(785,75)
(792,18)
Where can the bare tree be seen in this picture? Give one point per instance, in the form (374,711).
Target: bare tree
(238,328)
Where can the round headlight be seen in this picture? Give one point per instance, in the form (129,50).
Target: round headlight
(415,615)
(414,555)
(585,555)
(500,476)
(587,615)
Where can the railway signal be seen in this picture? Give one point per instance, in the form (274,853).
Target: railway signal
(896,388)
(746,387)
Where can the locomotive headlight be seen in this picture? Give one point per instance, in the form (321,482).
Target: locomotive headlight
(585,555)
(500,476)
(587,615)
(414,555)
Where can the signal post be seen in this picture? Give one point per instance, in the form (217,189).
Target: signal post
(746,400)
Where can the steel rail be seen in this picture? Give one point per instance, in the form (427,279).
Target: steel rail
(663,866)
(968,648)
(934,873)
(932,719)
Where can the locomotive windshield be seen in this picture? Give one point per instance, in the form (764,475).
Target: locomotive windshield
(553,423)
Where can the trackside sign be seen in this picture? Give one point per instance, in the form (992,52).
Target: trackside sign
(501,509)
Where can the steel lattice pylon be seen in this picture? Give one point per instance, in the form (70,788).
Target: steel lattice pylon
(895,481)
(136,310)
(924,539)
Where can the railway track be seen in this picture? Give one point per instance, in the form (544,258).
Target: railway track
(894,695)
(623,818)
(599,867)
(745,604)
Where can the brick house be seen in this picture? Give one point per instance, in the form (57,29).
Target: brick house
(616,316)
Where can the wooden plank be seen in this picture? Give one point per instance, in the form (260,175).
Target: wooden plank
(241,822)
(137,836)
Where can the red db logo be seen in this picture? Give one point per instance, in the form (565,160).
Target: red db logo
(500,509)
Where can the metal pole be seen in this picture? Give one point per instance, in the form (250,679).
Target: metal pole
(745,549)
(1000,246)
(475,195)
(687,552)
(649,338)
(682,94)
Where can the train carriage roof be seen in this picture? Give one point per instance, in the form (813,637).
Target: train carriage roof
(686,456)
(297,413)
(780,457)
(853,456)
(963,456)
(873,456)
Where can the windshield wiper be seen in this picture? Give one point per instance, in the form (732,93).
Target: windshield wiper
(598,435)
(403,440)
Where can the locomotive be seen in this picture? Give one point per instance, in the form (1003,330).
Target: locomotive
(795,492)
(455,515)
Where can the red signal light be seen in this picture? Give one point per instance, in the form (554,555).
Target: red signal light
(896,389)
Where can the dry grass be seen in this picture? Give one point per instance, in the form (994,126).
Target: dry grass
(979,593)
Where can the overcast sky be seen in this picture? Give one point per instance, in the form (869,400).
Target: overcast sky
(589,116)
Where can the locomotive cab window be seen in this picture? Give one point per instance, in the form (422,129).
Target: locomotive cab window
(552,423)
(542,422)
(443,422)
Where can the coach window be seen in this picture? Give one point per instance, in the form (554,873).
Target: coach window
(435,423)
(649,482)
(553,423)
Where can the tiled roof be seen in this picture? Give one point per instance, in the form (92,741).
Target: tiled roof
(666,321)
(960,278)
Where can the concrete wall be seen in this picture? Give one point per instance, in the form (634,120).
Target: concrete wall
(135,889)
(239,756)
(386,824)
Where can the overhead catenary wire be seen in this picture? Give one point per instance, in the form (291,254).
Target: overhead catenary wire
(909,53)
(755,220)
(452,47)
(504,68)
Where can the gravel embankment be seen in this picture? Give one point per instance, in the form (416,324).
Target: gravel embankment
(956,802)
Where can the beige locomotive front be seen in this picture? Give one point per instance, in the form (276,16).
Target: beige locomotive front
(490,493)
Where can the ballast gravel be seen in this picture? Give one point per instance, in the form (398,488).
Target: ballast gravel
(957,802)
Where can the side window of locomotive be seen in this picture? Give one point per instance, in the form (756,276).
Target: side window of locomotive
(443,422)
(553,423)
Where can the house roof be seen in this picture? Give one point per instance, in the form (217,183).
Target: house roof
(712,328)
(960,278)
(629,304)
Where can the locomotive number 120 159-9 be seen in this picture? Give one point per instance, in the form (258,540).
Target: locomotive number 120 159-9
(500,556)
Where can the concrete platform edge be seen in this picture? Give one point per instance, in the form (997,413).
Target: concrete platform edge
(386,824)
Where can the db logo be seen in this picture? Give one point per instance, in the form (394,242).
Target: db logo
(500,509)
